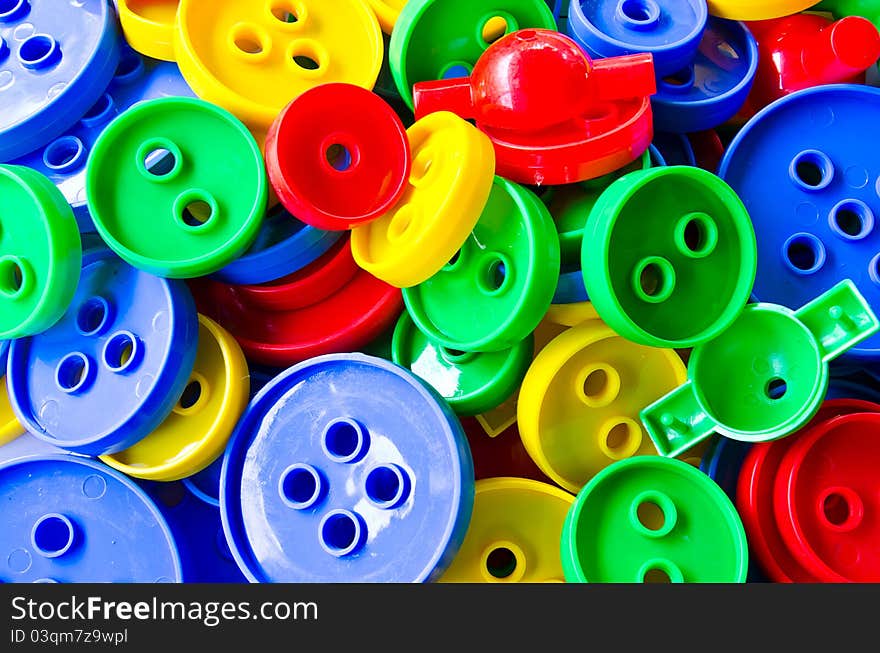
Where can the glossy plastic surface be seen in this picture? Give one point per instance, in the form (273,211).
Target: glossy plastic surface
(200,424)
(757,9)
(158,187)
(652,519)
(56,58)
(346,468)
(811,191)
(680,278)
(40,253)
(338,156)
(148,26)
(76,520)
(387,12)
(869,9)
(506,272)
(514,534)
(579,403)
(110,371)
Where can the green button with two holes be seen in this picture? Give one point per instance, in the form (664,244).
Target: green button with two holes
(40,253)
(177,187)
(499,285)
(669,256)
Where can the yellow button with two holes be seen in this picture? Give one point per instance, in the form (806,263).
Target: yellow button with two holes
(513,535)
(196,432)
(148,26)
(452,173)
(579,403)
(387,12)
(757,9)
(253,58)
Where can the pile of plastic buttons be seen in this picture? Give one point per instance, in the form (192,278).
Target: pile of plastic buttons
(439,290)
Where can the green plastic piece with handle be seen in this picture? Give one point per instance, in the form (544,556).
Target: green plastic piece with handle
(40,253)
(765,376)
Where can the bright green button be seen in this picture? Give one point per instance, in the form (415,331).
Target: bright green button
(471,382)
(40,253)
(669,256)
(436,39)
(650,519)
(494,292)
(177,187)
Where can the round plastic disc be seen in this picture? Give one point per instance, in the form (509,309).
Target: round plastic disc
(148,26)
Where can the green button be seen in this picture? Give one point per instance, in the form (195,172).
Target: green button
(177,187)
(669,256)
(40,253)
(471,382)
(651,519)
(494,292)
(436,39)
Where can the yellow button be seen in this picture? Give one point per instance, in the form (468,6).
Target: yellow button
(514,534)
(571,314)
(148,26)
(254,57)
(579,403)
(452,172)
(197,430)
(757,9)
(9,426)
(387,12)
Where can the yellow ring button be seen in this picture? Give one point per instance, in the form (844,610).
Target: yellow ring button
(757,9)
(148,26)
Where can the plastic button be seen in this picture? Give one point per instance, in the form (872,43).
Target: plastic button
(651,519)
(579,403)
(40,253)
(506,272)
(513,535)
(59,58)
(148,26)
(757,9)
(77,521)
(338,156)
(201,422)
(253,59)
(387,12)
(346,468)
(110,371)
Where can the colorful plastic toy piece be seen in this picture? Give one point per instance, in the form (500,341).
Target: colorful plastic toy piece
(757,9)
(807,50)
(711,88)
(471,382)
(40,253)
(579,402)
(652,519)
(148,26)
(56,58)
(10,428)
(187,220)
(254,59)
(811,191)
(346,468)
(453,166)
(110,371)
(64,159)
(387,12)
(554,116)
(329,306)
(502,454)
(76,520)
(200,424)
(506,272)
(869,9)
(674,275)
(442,39)
(776,372)
(513,535)
(669,29)
(570,289)
(338,156)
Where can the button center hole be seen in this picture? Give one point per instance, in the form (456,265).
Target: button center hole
(776,388)
(339,157)
(501,562)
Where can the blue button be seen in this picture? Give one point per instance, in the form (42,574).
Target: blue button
(668,29)
(723,460)
(712,88)
(809,175)
(4,350)
(56,58)
(63,160)
(73,520)
(27,445)
(676,149)
(346,468)
(111,370)
(283,246)
(206,484)
(571,288)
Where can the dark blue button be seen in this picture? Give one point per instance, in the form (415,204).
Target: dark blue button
(346,468)
(4,350)
(809,175)
(676,149)
(111,370)
(712,88)
(71,519)
(206,484)
(56,59)
(570,289)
